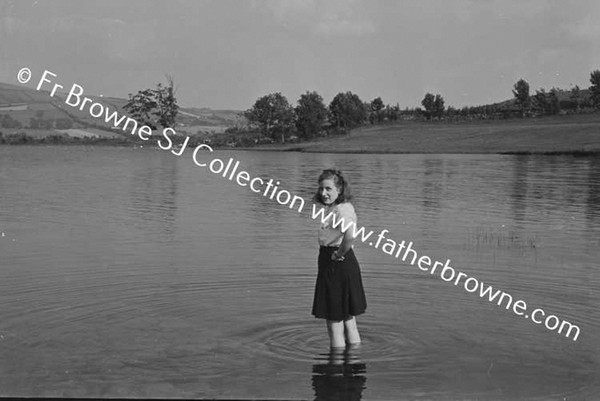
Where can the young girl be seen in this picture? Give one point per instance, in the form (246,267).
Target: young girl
(339,293)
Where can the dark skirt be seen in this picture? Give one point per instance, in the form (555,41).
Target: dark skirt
(339,292)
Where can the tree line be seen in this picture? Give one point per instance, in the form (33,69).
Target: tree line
(548,103)
(273,119)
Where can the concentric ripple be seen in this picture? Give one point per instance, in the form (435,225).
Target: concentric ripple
(306,340)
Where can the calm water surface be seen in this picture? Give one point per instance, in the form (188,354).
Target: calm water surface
(135,273)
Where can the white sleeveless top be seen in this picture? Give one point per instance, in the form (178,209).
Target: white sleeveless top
(329,236)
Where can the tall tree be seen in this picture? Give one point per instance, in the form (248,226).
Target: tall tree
(428,103)
(546,102)
(438,106)
(521,94)
(154,107)
(347,110)
(166,103)
(553,102)
(576,97)
(273,114)
(376,107)
(394,112)
(311,114)
(539,101)
(595,88)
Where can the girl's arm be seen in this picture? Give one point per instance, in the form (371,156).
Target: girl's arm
(344,246)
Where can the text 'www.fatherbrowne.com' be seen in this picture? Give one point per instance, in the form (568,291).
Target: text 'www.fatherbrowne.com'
(404,252)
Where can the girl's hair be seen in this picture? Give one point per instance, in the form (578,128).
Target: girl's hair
(340,182)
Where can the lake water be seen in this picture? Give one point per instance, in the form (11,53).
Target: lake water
(135,273)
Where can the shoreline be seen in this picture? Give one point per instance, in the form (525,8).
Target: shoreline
(314,149)
(565,152)
(577,135)
(577,153)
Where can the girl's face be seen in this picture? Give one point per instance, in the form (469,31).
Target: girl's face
(328,191)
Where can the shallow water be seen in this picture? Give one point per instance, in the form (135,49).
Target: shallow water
(135,273)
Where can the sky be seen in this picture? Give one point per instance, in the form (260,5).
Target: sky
(226,54)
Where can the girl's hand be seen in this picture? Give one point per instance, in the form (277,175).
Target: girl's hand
(336,257)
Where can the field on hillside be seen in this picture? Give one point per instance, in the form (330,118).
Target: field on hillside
(569,133)
(41,106)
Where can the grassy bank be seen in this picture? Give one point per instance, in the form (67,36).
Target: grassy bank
(574,134)
(569,134)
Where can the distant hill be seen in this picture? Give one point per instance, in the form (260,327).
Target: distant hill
(562,95)
(24,104)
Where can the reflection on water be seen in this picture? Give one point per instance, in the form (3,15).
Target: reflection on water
(135,273)
(519,188)
(339,375)
(153,192)
(593,197)
(432,185)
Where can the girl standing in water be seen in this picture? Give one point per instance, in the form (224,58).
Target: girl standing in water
(339,293)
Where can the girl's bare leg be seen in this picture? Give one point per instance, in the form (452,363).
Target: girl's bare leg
(336,334)
(352,331)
